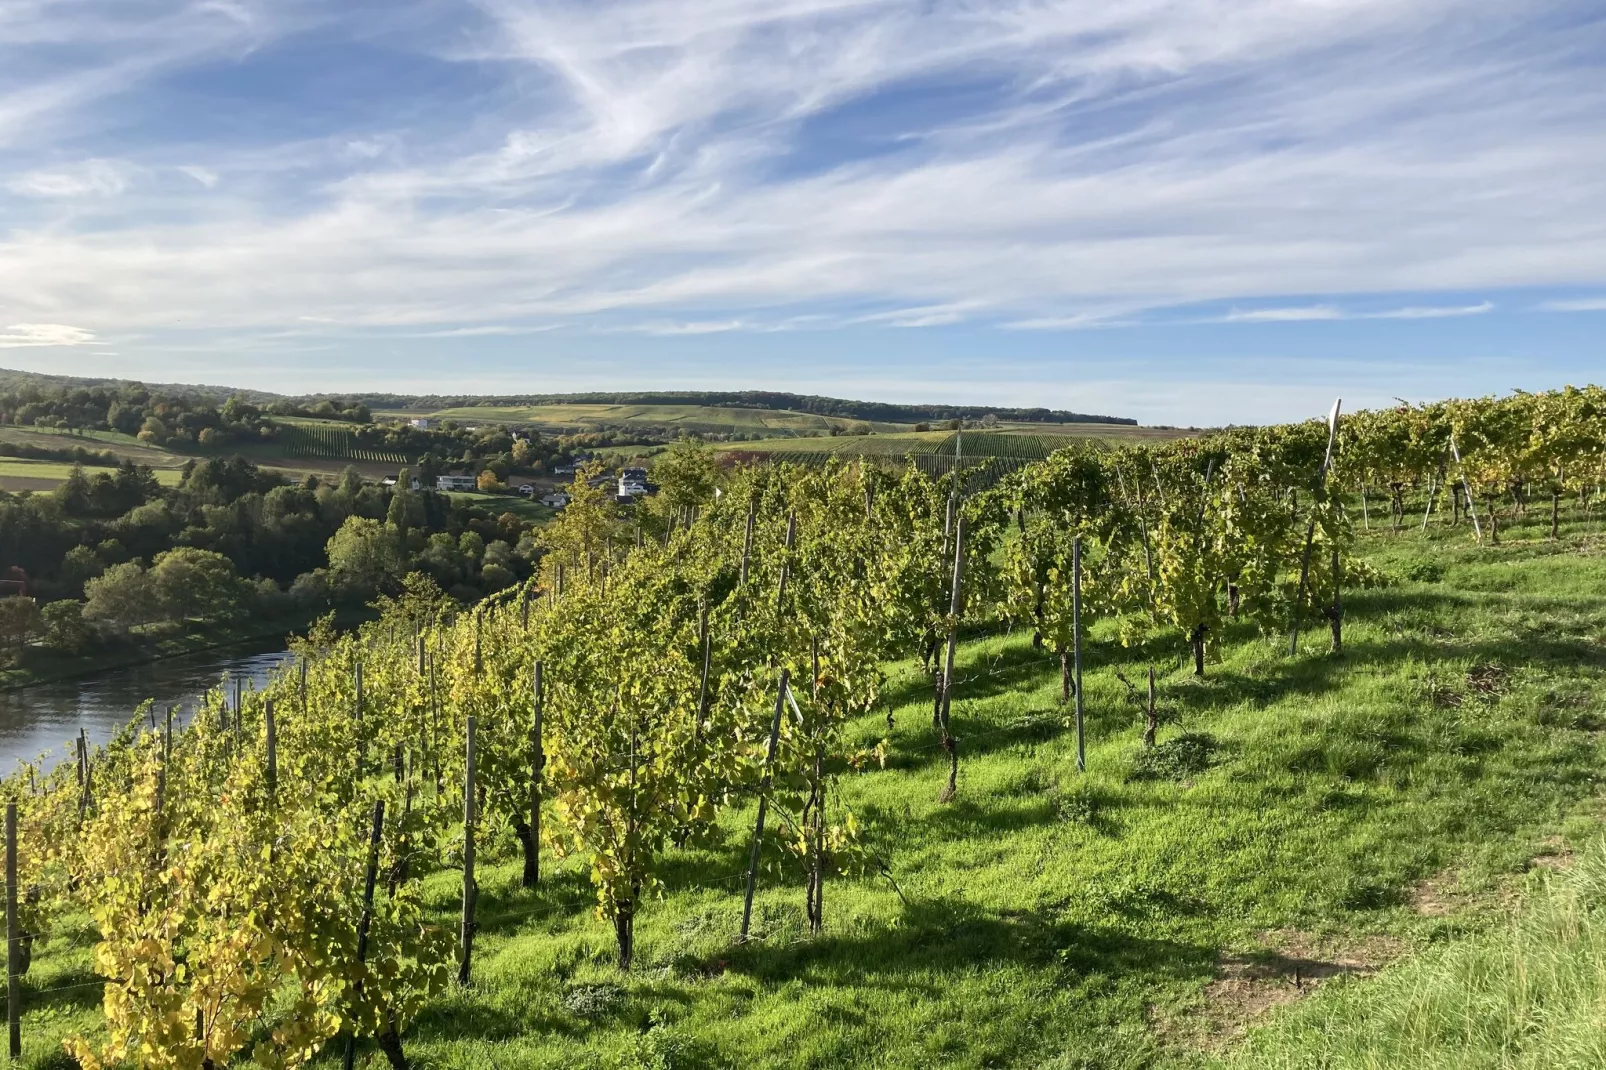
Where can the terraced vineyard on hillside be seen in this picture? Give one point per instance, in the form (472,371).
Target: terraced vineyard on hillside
(322,442)
(985,457)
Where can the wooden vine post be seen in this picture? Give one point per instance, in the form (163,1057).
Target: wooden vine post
(702,688)
(747,538)
(83,772)
(13,938)
(470,888)
(365,920)
(356,712)
(273,750)
(956,604)
(1076,649)
(1466,488)
(786,562)
(1310,529)
(1151,721)
(532,859)
(763,805)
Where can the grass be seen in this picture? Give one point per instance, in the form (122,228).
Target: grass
(497,504)
(28,473)
(1524,995)
(1056,919)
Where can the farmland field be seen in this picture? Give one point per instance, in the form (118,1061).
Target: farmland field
(20,474)
(324,441)
(693,418)
(95,442)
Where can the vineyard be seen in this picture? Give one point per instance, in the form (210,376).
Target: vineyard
(801,693)
(325,442)
(984,458)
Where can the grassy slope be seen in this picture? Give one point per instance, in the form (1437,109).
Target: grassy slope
(701,418)
(901,443)
(1526,994)
(1055,919)
(20,468)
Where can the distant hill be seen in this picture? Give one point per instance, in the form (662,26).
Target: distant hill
(776,401)
(840,408)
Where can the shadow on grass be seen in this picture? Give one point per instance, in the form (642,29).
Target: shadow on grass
(956,936)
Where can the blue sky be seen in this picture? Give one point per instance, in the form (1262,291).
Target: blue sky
(1187,211)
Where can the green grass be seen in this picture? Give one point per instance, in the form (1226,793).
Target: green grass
(497,504)
(32,472)
(1056,919)
(1527,994)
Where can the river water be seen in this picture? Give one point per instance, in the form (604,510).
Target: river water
(44,718)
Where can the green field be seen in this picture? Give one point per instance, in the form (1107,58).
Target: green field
(701,419)
(1305,822)
(497,504)
(19,474)
(124,446)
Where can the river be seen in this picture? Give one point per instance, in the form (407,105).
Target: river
(44,718)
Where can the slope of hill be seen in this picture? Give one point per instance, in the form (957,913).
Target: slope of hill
(1289,832)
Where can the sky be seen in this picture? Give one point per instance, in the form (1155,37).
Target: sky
(1183,211)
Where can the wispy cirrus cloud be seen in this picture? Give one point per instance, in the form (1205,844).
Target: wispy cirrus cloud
(1293,314)
(99,178)
(1435,312)
(1316,313)
(467,168)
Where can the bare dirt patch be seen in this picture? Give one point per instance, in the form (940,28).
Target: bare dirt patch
(1554,854)
(1285,966)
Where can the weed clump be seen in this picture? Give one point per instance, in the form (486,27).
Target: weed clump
(594,1001)
(1176,759)
(1425,572)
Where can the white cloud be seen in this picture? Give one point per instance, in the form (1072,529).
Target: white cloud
(1584,304)
(1284,315)
(22,335)
(204,176)
(1431,312)
(691,327)
(657,167)
(92,178)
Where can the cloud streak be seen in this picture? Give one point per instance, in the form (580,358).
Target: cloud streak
(30,335)
(626,166)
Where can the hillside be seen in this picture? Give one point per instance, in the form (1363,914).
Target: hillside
(842,409)
(1052,919)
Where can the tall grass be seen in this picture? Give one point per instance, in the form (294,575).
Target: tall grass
(1528,993)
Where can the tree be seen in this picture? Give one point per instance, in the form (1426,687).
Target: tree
(19,621)
(121,598)
(197,584)
(73,494)
(63,624)
(79,567)
(489,482)
(366,554)
(686,476)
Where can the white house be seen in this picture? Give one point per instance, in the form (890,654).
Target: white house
(555,499)
(458,483)
(423,423)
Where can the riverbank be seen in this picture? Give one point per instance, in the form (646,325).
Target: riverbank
(41,666)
